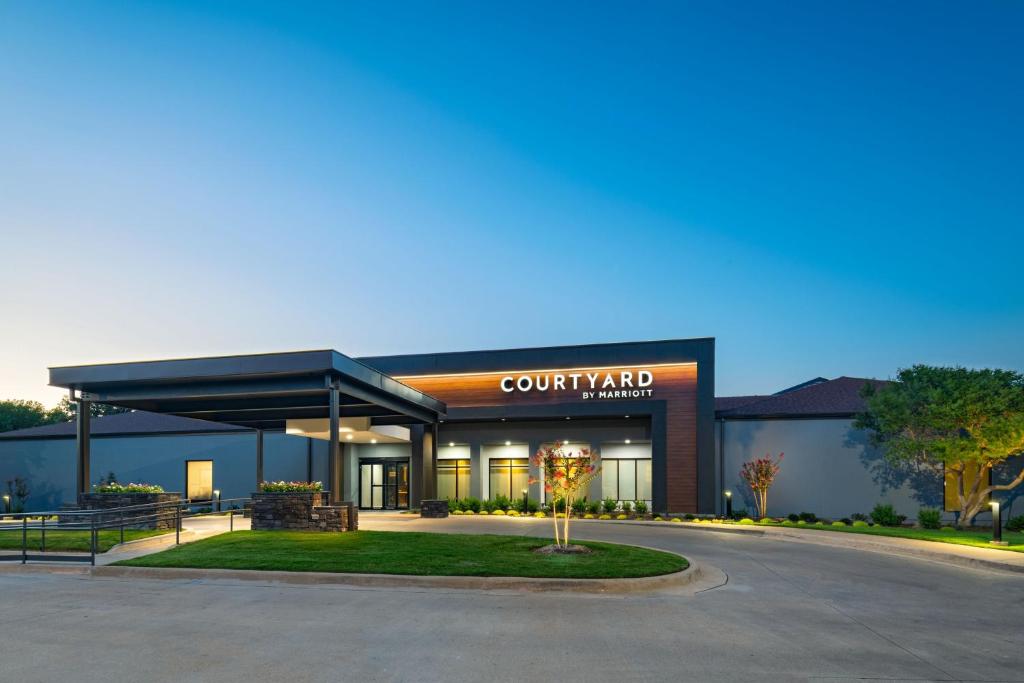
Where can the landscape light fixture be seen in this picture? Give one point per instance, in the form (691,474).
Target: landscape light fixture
(526,501)
(216,493)
(728,503)
(997,525)
(7,503)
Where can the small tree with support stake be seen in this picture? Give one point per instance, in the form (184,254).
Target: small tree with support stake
(564,475)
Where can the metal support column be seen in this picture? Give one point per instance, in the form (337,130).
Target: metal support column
(82,438)
(259,458)
(334,451)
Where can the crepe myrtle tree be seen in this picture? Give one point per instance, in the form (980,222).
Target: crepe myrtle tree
(564,474)
(759,474)
(954,421)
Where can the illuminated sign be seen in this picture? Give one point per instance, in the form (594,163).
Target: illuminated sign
(617,384)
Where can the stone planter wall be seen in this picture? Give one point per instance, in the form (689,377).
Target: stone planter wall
(434,509)
(164,516)
(300,511)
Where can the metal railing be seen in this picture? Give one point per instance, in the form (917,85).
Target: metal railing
(144,516)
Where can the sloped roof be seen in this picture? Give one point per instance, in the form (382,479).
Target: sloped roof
(837,397)
(730,402)
(136,422)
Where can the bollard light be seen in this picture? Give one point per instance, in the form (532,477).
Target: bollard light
(7,503)
(728,504)
(997,525)
(526,501)
(216,492)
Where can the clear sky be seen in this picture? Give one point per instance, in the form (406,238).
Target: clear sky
(827,188)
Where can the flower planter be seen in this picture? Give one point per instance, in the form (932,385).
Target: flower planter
(301,511)
(161,518)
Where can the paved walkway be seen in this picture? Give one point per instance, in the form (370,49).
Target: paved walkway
(786,611)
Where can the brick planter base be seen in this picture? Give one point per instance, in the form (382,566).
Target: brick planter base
(434,509)
(164,519)
(301,511)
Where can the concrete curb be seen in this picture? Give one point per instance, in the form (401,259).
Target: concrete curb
(638,585)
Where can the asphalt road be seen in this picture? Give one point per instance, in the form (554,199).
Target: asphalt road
(787,612)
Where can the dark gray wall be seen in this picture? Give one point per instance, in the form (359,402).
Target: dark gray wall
(49,464)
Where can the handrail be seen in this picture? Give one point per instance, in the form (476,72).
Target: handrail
(97,520)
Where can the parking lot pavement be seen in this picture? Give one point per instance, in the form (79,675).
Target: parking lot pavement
(788,611)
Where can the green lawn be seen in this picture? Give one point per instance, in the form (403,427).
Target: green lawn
(388,552)
(978,539)
(67,540)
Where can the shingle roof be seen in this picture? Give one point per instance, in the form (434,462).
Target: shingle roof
(730,402)
(137,422)
(840,396)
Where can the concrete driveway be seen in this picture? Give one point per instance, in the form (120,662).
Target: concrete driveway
(788,611)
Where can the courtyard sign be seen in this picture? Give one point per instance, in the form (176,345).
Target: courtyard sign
(616,384)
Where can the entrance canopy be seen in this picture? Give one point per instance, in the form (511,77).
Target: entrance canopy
(261,391)
(314,393)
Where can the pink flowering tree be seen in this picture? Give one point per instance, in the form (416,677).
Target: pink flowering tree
(564,474)
(760,475)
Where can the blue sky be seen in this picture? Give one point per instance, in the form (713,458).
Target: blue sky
(826,188)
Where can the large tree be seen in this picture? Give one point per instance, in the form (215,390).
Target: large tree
(66,410)
(962,423)
(17,414)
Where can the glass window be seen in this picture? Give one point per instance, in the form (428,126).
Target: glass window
(610,479)
(509,476)
(626,479)
(643,479)
(365,486)
(452,478)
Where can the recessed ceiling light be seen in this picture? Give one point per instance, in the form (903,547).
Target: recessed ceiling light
(451,444)
(348,436)
(508,443)
(565,443)
(627,441)
(373,440)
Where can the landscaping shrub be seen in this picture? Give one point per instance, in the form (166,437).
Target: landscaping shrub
(740,514)
(808,517)
(641,507)
(502,502)
(929,518)
(588,516)
(470,504)
(484,512)
(801,522)
(538,513)
(764,520)
(885,515)
(457,512)
(659,518)
(579,506)
(115,487)
(609,505)
(532,506)
(621,516)
(518,505)
(839,522)
(488,506)
(789,522)
(627,507)
(860,523)
(793,517)
(689,516)
(947,528)
(746,520)
(559,505)
(605,516)
(1015,523)
(468,512)
(594,507)
(859,517)
(675,519)
(513,513)
(498,511)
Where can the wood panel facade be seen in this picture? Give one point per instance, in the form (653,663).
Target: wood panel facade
(666,389)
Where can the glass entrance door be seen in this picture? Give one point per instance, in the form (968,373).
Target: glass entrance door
(384,484)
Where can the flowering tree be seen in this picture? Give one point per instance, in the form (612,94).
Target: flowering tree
(759,475)
(564,475)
